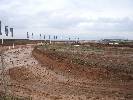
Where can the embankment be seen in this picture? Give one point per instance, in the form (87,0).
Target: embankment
(62,64)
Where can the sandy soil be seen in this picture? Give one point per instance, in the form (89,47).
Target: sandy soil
(28,78)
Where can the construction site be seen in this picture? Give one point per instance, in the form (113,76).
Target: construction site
(66,71)
(66,50)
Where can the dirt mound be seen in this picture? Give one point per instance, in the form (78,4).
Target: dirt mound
(22,74)
(63,63)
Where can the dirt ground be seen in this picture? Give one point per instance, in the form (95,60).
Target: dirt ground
(26,77)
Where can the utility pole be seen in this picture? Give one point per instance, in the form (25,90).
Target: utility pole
(1,33)
(0,28)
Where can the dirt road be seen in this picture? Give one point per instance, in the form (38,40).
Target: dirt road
(27,78)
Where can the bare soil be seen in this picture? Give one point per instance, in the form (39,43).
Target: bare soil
(55,75)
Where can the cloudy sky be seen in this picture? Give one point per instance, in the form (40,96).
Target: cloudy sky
(87,19)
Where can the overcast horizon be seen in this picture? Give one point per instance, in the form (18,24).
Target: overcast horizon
(86,19)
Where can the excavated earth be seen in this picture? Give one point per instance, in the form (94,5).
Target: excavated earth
(45,75)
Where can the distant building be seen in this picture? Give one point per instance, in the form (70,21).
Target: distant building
(112,41)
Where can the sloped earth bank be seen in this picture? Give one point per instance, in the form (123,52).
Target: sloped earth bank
(26,77)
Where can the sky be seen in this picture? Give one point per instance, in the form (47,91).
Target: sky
(86,19)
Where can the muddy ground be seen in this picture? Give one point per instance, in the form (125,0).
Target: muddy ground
(37,77)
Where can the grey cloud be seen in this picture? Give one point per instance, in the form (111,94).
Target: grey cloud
(25,15)
(109,25)
(64,22)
